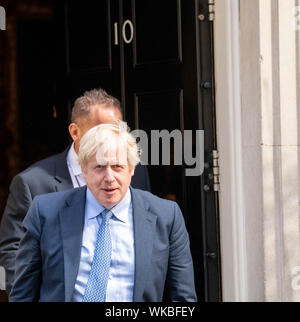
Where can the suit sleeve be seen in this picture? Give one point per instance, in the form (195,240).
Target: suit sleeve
(11,230)
(180,285)
(26,286)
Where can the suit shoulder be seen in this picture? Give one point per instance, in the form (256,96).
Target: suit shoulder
(44,166)
(53,198)
(46,208)
(154,201)
(167,212)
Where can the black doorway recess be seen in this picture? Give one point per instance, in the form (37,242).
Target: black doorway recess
(157,58)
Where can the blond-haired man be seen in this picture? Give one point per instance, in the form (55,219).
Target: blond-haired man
(106,241)
(57,173)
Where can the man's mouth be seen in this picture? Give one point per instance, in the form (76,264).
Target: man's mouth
(109,190)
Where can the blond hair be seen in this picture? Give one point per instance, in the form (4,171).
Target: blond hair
(100,138)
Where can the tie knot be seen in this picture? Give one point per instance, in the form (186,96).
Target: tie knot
(106,214)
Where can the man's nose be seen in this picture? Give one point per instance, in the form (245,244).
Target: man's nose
(109,176)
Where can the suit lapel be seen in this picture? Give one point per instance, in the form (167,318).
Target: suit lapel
(144,227)
(62,176)
(72,222)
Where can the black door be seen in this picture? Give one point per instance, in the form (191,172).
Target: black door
(156,56)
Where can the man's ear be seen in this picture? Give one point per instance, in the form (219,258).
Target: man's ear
(83,172)
(74,131)
(132,171)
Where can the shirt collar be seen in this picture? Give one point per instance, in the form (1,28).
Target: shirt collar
(120,210)
(73,161)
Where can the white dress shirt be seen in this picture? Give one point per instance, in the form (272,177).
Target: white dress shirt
(74,168)
(122,268)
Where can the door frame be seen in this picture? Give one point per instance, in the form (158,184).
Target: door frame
(207,218)
(229,134)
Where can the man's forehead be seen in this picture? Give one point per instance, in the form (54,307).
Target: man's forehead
(99,114)
(105,113)
(116,154)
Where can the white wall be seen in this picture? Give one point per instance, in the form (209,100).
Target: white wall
(257,99)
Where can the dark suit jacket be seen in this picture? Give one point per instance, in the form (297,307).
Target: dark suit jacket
(49,253)
(48,175)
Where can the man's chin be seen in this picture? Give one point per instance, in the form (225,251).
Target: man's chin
(108,203)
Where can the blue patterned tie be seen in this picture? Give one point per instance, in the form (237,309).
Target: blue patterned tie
(95,290)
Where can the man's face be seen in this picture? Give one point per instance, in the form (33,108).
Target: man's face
(109,180)
(98,115)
